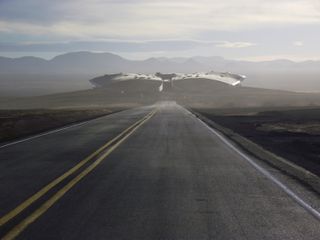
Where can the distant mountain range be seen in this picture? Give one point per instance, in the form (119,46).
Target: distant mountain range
(101,63)
(30,76)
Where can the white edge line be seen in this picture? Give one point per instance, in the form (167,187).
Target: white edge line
(267,174)
(58,129)
(55,130)
(46,133)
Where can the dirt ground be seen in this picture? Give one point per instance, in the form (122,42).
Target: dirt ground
(22,123)
(290,133)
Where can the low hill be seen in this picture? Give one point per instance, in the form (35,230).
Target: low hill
(191,92)
(208,93)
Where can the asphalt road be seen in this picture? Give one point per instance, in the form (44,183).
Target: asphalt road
(166,176)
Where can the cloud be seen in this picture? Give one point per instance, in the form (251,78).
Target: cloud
(150,19)
(298,43)
(232,28)
(105,45)
(227,44)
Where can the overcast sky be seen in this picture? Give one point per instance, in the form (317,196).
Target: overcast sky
(238,29)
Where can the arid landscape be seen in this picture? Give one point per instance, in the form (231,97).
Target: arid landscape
(292,133)
(32,76)
(160,120)
(189,92)
(286,123)
(18,124)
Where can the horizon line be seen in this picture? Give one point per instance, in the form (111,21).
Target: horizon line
(255,59)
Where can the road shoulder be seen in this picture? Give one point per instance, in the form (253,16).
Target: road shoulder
(291,169)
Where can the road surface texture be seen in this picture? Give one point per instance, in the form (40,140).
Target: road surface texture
(164,175)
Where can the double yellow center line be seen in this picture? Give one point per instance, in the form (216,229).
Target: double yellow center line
(98,155)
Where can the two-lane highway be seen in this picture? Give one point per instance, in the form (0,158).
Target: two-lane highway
(159,174)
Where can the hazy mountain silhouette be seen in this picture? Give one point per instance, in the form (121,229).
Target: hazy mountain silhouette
(40,76)
(100,63)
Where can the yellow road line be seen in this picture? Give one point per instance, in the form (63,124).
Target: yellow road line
(13,233)
(44,190)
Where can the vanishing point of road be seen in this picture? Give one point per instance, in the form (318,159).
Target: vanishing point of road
(153,172)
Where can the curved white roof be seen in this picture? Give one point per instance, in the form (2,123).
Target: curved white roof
(229,78)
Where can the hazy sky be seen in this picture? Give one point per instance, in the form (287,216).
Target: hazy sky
(240,29)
